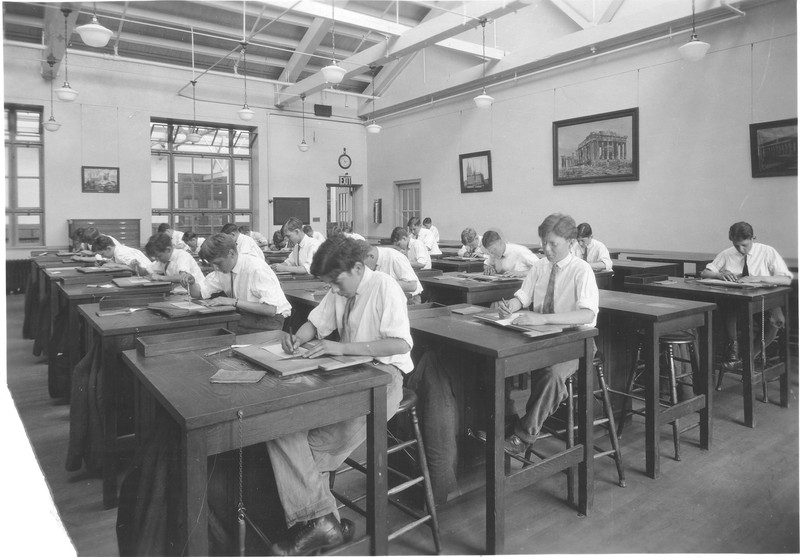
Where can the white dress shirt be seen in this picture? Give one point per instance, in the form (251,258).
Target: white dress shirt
(378,312)
(126,255)
(253,281)
(595,251)
(303,253)
(177,239)
(179,261)
(247,246)
(431,242)
(762,261)
(397,266)
(575,287)
(477,251)
(515,258)
(418,253)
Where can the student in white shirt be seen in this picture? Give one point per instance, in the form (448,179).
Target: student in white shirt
(193,242)
(471,244)
(175,235)
(121,256)
(257,236)
(594,252)
(397,266)
(423,235)
(427,223)
(87,253)
(748,261)
(505,258)
(313,233)
(245,245)
(248,284)
(369,311)
(299,260)
(415,250)
(171,264)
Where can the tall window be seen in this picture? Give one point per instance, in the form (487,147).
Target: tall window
(409,201)
(24,183)
(200,186)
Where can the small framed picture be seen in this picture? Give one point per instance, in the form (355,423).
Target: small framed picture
(476,171)
(598,148)
(773,148)
(99,179)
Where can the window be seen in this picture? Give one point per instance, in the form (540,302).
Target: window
(408,201)
(200,186)
(24,181)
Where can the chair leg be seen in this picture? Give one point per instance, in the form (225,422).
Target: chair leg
(571,472)
(631,381)
(423,464)
(673,388)
(610,425)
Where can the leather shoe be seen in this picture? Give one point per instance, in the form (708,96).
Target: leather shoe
(319,533)
(348,529)
(514,445)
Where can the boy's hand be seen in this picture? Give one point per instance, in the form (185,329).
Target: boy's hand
(530,318)
(186,279)
(729,276)
(325,347)
(503,310)
(489,270)
(289,343)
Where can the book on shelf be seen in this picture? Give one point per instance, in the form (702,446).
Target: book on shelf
(271,357)
(529,330)
(182,309)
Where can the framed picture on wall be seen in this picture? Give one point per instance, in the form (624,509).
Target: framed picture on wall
(476,171)
(773,148)
(598,148)
(99,179)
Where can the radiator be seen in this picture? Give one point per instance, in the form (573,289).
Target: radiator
(18,272)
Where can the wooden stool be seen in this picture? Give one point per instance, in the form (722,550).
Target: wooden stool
(407,405)
(667,345)
(568,433)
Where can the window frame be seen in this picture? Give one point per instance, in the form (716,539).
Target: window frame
(12,144)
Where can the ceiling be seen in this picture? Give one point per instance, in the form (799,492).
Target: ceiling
(289,41)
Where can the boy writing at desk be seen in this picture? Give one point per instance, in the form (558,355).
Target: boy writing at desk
(299,261)
(560,289)
(121,256)
(748,261)
(368,309)
(247,283)
(511,260)
(594,252)
(171,264)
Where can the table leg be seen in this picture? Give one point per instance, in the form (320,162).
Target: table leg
(744,319)
(109,419)
(495,465)
(377,484)
(784,380)
(706,379)
(586,428)
(195,512)
(652,404)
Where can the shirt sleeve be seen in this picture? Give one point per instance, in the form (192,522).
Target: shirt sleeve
(309,257)
(394,316)
(265,286)
(186,265)
(718,264)
(605,257)
(777,266)
(587,293)
(323,317)
(211,283)
(463,251)
(294,257)
(525,293)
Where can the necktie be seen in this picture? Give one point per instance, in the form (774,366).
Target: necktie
(548,306)
(584,253)
(348,307)
(745,270)
(233,292)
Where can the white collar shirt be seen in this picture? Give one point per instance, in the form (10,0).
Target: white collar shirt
(126,255)
(477,251)
(177,239)
(418,253)
(515,258)
(762,261)
(430,240)
(253,281)
(595,251)
(318,236)
(378,312)
(575,287)
(397,266)
(303,253)
(245,245)
(180,261)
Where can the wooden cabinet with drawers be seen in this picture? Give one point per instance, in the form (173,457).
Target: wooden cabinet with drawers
(126,231)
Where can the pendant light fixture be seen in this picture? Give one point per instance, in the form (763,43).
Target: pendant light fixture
(303,145)
(333,73)
(51,125)
(65,92)
(245,113)
(93,33)
(695,49)
(193,136)
(373,127)
(483,100)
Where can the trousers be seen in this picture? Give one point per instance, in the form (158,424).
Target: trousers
(302,461)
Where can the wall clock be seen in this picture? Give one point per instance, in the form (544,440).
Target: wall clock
(344,160)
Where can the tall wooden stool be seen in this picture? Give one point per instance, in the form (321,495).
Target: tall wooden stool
(407,406)
(674,378)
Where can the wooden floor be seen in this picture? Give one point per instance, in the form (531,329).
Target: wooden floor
(739,497)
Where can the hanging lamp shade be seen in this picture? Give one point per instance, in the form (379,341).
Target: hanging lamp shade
(94,34)
(66,93)
(483,100)
(333,73)
(51,125)
(373,127)
(304,146)
(193,136)
(246,113)
(694,50)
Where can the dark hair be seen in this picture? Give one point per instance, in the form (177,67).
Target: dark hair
(740,231)
(188,237)
(308,230)
(427,220)
(158,243)
(335,231)
(560,224)
(467,235)
(77,234)
(90,235)
(217,245)
(102,242)
(490,237)
(413,221)
(293,223)
(398,234)
(244,229)
(163,227)
(584,230)
(229,228)
(336,256)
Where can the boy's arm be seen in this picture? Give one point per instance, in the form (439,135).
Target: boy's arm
(576,317)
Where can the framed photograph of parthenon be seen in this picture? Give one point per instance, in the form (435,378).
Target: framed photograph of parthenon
(598,148)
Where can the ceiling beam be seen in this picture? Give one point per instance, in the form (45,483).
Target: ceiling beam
(610,12)
(425,34)
(308,44)
(53,36)
(572,13)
